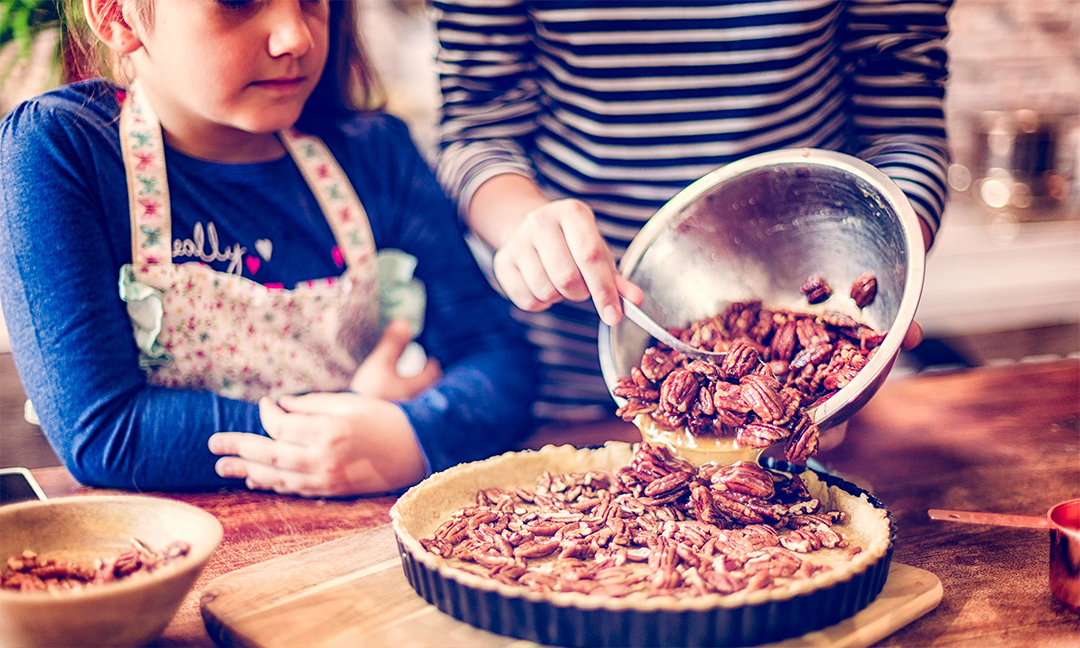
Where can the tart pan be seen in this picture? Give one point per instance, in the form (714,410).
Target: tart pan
(533,618)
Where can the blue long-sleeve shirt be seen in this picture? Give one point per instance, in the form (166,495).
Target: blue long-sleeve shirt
(65,233)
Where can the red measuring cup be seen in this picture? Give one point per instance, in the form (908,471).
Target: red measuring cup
(1063,521)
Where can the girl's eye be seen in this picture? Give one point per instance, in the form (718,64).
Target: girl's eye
(236,4)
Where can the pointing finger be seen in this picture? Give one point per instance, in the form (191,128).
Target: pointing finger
(596,263)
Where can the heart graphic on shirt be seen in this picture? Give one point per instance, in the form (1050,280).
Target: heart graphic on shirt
(252,264)
(338,258)
(265,248)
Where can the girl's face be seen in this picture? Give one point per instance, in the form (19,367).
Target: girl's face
(247,65)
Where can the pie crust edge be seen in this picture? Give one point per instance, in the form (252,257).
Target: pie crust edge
(425,506)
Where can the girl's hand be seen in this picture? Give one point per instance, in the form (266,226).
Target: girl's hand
(378,376)
(324,445)
(558,253)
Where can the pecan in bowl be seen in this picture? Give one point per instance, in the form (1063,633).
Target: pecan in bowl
(758,228)
(780,363)
(29,572)
(85,583)
(630,546)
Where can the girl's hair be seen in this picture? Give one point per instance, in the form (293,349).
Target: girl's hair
(348,83)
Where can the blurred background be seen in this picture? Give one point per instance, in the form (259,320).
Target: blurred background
(1003,279)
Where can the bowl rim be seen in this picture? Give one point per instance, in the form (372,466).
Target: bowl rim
(194,560)
(825,414)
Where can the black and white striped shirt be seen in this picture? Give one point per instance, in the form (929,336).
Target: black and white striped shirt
(624,103)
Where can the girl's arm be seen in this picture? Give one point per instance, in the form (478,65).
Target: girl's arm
(898,67)
(342,444)
(63,238)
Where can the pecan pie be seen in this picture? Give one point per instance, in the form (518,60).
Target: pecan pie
(581,546)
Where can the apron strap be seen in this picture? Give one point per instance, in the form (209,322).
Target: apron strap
(143,150)
(335,194)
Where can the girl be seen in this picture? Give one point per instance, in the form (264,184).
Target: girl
(237,199)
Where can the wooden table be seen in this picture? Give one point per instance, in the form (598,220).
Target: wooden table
(1001,439)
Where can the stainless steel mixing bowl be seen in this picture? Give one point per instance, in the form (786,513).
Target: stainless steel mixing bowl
(757,228)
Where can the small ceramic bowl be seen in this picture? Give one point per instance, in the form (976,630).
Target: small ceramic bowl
(128,612)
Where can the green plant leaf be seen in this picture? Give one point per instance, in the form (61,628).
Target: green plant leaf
(21,33)
(6,10)
(21,21)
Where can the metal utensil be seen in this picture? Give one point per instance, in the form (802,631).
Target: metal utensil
(1063,521)
(638,316)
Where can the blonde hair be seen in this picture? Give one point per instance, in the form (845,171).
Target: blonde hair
(348,83)
(85,56)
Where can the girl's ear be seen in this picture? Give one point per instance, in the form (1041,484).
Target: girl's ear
(106,19)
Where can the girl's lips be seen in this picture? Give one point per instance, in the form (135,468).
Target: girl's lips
(280,84)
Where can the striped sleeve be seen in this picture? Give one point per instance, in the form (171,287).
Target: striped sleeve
(489,92)
(897,63)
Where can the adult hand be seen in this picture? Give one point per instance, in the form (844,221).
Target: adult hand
(558,253)
(324,445)
(914,335)
(378,376)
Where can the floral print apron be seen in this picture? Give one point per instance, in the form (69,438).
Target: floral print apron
(207,330)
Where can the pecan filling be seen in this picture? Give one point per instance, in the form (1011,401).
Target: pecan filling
(656,527)
(779,364)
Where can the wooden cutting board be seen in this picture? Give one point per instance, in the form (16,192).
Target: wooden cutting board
(352,592)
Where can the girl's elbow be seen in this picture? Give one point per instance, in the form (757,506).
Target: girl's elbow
(92,471)
(91,465)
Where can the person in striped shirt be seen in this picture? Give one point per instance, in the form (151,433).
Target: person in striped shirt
(567,123)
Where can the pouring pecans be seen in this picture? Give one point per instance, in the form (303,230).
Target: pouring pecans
(779,364)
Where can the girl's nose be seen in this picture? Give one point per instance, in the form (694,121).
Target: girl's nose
(289,30)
